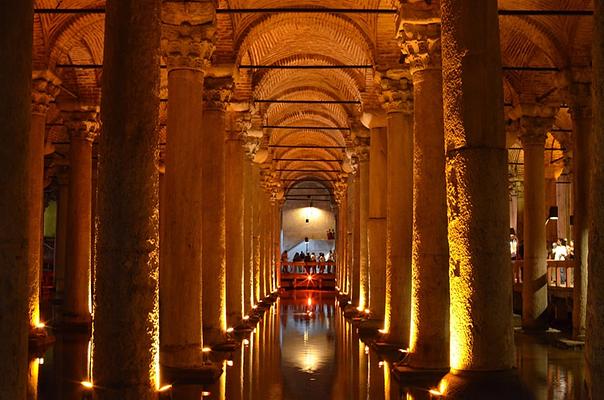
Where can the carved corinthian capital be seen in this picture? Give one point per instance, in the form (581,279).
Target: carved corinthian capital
(396,91)
(82,122)
(188,34)
(44,89)
(217,93)
(420,43)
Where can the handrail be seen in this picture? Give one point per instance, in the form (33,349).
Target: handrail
(560,274)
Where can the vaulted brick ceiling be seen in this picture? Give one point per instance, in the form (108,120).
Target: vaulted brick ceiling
(318,39)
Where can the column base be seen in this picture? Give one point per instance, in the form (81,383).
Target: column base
(39,341)
(229,345)
(479,385)
(76,323)
(418,377)
(205,373)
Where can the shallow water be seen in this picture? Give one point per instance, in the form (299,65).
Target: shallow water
(303,348)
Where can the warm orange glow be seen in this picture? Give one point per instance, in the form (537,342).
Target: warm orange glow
(229,363)
(246,317)
(367,311)
(40,325)
(230,330)
(309,301)
(435,392)
(245,342)
(382,331)
(206,350)
(87,384)
(40,361)
(205,394)
(309,277)
(165,388)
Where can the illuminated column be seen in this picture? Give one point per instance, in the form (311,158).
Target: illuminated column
(349,233)
(277,205)
(216,95)
(376,224)
(256,233)
(594,341)
(248,244)
(397,100)
(563,196)
(187,45)
(354,235)
(83,126)
(534,125)
(429,338)
(482,338)
(581,114)
(45,87)
(126,308)
(361,227)
(234,206)
(16,18)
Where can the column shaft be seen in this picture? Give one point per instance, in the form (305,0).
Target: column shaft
(16,18)
(363,196)
(213,221)
(248,245)
(181,225)
(355,235)
(82,126)
(61,240)
(534,274)
(429,339)
(126,308)
(234,198)
(376,225)
(476,168)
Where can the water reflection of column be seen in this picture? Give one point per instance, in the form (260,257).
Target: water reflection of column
(363,370)
(376,377)
(74,356)
(32,379)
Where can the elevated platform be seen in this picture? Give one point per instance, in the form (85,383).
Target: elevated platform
(308,281)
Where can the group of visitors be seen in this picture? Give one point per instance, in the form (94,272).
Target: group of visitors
(314,260)
(562,250)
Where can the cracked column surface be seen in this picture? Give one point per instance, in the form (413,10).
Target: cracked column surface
(126,306)
(16,18)
(482,341)
(181,252)
(217,93)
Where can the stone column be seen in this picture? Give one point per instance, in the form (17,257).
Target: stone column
(188,45)
(16,19)
(45,87)
(563,196)
(126,300)
(248,244)
(257,228)
(534,125)
(61,241)
(277,205)
(376,224)
(594,341)
(363,211)
(216,95)
(354,238)
(482,340)
(234,205)
(397,100)
(83,126)
(429,338)
(581,113)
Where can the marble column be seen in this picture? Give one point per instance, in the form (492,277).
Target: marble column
(45,88)
(16,19)
(482,340)
(363,215)
(217,93)
(397,100)
(83,126)
(429,338)
(534,274)
(257,228)
(187,45)
(277,205)
(234,205)
(581,114)
(126,300)
(563,199)
(594,340)
(376,223)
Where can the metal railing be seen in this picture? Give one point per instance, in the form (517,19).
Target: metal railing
(560,274)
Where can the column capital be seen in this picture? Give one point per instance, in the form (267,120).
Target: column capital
(420,42)
(188,34)
(580,105)
(45,88)
(362,149)
(217,93)
(82,122)
(239,124)
(396,91)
